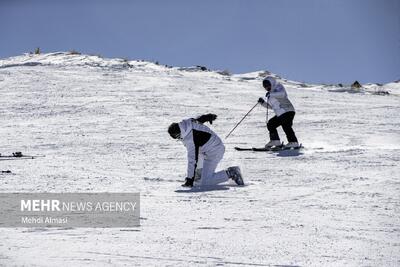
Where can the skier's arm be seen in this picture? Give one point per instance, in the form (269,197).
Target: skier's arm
(207,117)
(192,156)
(264,102)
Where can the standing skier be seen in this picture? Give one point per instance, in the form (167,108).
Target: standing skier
(277,99)
(201,142)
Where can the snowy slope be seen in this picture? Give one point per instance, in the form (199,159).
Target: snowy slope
(102,125)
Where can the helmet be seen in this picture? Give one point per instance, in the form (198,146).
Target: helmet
(174,130)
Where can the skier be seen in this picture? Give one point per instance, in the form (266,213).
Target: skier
(201,142)
(277,99)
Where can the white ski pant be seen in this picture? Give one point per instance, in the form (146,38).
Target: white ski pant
(210,161)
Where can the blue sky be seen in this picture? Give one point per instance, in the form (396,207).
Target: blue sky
(311,40)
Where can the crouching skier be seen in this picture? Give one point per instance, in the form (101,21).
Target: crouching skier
(277,99)
(201,142)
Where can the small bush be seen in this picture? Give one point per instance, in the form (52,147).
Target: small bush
(380,91)
(202,68)
(37,51)
(264,74)
(74,52)
(225,73)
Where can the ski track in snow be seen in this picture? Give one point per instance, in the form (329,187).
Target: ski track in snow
(102,125)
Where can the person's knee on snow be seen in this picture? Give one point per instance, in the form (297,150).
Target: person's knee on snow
(199,141)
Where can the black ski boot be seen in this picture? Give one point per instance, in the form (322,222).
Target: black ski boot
(188,182)
(235,174)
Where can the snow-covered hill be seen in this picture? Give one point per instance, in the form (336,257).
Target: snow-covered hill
(102,125)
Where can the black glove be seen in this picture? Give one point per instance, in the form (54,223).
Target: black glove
(207,117)
(261,100)
(188,182)
(267,94)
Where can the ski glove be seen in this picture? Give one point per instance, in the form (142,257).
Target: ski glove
(207,117)
(261,100)
(188,182)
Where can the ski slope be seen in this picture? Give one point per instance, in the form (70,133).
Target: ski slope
(102,126)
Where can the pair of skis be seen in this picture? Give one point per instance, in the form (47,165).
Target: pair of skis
(265,149)
(17,155)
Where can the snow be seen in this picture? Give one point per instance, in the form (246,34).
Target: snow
(102,125)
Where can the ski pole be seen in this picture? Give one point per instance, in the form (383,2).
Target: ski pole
(241,121)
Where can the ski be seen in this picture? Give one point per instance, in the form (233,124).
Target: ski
(243,148)
(14,158)
(293,148)
(258,149)
(268,149)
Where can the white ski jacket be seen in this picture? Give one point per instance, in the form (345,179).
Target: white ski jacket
(277,99)
(197,139)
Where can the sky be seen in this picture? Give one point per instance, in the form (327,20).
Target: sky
(317,41)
